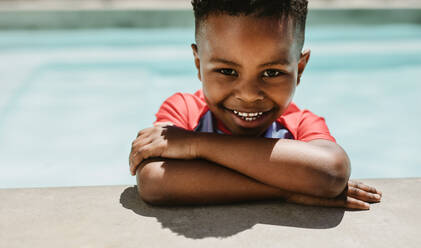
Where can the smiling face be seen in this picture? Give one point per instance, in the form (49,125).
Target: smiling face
(249,69)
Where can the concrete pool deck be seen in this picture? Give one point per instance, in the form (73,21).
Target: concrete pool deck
(114,216)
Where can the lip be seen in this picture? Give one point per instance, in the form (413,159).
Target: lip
(250,124)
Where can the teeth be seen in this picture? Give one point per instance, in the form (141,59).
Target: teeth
(248,116)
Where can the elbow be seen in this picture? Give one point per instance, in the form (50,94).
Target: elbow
(336,186)
(338,175)
(150,183)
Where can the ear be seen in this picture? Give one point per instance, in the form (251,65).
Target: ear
(196,60)
(302,63)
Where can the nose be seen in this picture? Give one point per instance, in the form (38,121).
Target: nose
(248,91)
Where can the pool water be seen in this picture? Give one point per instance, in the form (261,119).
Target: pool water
(72,101)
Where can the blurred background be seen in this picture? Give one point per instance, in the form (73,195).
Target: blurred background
(79,78)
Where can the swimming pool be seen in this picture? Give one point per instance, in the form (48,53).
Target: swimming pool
(71,101)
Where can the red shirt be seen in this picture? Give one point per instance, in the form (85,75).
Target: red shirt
(185,111)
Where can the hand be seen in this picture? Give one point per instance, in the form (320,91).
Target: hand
(355,196)
(161,140)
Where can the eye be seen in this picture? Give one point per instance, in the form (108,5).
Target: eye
(271,73)
(228,72)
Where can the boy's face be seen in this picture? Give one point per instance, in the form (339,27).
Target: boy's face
(249,69)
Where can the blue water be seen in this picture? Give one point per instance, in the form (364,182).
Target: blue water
(71,102)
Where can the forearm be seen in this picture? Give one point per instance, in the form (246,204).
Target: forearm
(179,182)
(285,164)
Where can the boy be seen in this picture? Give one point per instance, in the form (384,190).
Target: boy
(241,138)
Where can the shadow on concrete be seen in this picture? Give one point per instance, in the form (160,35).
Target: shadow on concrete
(221,221)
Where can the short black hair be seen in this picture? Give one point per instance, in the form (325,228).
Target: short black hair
(294,9)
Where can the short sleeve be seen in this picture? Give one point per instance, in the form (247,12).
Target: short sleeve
(183,110)
(173,110)
(313,127)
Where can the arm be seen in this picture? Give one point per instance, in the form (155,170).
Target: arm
(319,168)
(180,182)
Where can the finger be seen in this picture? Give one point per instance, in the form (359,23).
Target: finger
(353,203)
(368,188)
(133,161)
(139,142)
(138,156)
(132,153)
(140,133)
(364,187)
(136,145)
(363,195)
(142,154)
(143,131)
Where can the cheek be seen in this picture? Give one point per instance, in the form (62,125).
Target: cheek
(289,94)
(282,86)
(214,89)
(211,94)
(282,94)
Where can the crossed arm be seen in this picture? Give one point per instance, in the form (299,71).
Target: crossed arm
(197,168)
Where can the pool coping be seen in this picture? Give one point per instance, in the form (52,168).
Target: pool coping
(114,216)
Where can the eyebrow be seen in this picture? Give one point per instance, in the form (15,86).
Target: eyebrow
(224,61)
(271,63)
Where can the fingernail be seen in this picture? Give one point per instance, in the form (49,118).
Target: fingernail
(367,206)
(377,197)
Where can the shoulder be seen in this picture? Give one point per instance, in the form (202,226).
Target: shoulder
(181,99)
(182,109)
(304,124)
(294,115)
